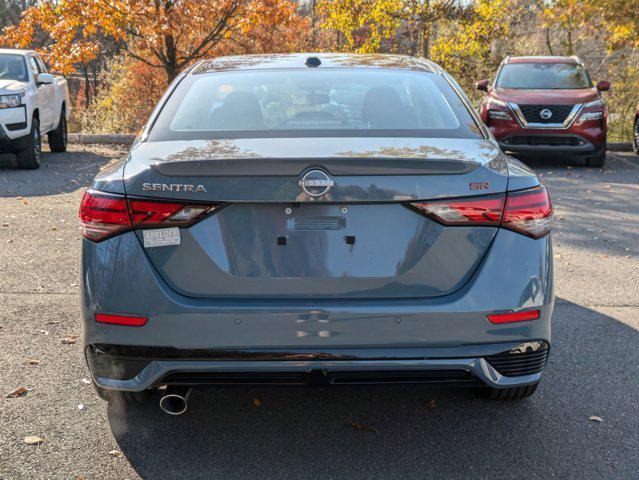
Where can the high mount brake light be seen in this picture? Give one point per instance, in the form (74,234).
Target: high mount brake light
(526,211)
(103,215)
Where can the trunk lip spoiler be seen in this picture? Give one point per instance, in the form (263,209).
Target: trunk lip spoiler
(294,167)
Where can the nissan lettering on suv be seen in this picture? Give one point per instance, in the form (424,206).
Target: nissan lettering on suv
(315,219)
(547,107)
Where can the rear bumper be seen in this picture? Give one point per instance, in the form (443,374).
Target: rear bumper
(449,333)
(128,369)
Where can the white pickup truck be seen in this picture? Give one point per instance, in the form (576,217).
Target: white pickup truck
(32,103)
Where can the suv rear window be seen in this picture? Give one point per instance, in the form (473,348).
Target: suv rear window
(543,76)
(313,102)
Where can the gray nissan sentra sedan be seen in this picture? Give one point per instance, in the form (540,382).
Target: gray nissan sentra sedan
(315,219)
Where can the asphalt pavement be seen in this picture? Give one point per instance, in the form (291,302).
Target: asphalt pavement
(393,432)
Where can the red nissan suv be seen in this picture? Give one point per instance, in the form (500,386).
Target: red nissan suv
(546,107)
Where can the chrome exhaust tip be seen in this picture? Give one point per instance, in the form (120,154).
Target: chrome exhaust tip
(176,400)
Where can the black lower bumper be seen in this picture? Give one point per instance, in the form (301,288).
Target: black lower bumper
(9,145)
(192,367)
(555,144)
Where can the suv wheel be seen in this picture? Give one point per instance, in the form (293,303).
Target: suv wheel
(635,136)
(58,137)
(515,393)
(30,157)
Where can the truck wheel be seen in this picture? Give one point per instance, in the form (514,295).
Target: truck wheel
(598,160)
(515,393)
(58,137)
(29,158)
(635,137)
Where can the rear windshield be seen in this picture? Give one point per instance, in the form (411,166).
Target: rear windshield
(313,102)
(13,67)
(543,76)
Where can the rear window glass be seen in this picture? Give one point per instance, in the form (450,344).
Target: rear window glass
(13,67)
(313,102)
(544,76)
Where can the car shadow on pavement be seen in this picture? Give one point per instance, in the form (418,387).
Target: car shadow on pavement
(65,172)
(410,431)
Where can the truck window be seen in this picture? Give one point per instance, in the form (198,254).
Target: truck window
(34,67)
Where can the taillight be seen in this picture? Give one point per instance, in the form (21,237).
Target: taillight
(103,215)
(149,213)
(527,211)
(484,211)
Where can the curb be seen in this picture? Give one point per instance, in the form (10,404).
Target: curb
(108,139)
(620,146)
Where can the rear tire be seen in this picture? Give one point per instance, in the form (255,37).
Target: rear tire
(58,137)
(515,393)
(139,398)
(598,160)
(29,157)
(635,136)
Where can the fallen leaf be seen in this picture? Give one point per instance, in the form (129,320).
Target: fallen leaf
(432,404)
(360,426)
(257,402)
(69,340)
(18,392)
(33,361)
(116,454)
(53,229)
(595,418)
(33,440)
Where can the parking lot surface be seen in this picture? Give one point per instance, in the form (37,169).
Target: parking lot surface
(398,432)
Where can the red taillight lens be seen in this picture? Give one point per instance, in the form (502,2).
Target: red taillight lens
(514,317)
(103,215)
(148,213)
(528,212)
(125,320)
(484,211)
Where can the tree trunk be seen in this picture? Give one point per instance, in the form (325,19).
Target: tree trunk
(170,62)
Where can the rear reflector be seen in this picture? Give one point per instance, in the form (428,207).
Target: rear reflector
(103,215)
(514,317)
(527,211)
(121,320)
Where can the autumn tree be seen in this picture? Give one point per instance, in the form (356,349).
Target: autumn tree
(163,34)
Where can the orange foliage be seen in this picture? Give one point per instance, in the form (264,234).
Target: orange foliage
(166,34)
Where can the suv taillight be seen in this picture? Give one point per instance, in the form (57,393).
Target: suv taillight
(526,211)
(103,215)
